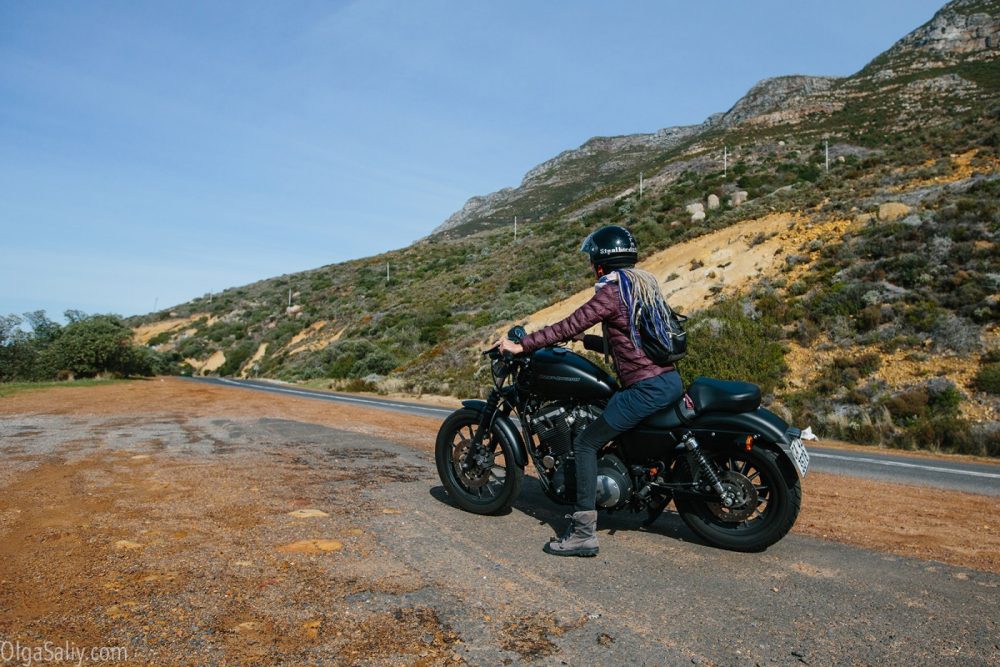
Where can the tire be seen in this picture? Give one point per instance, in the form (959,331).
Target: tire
(778,499)
(490,491)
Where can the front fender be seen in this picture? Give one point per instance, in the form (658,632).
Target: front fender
(506,427)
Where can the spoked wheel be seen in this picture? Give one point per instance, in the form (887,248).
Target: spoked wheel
(484,479)
(765,502)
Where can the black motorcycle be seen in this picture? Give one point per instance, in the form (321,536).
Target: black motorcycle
(732,468)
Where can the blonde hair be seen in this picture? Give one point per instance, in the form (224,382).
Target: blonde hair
(643,301)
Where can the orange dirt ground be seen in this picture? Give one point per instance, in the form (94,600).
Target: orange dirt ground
(945,526)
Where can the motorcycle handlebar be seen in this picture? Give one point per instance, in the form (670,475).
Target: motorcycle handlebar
(515,334)
(494,353)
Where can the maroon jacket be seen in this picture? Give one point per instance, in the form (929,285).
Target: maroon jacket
(631,363)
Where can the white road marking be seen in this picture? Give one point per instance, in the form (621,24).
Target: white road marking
(899,464)
(336,397)
(384,404)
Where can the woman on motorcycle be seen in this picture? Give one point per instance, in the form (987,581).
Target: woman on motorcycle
(622,292)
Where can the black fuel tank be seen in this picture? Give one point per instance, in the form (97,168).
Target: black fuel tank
(556,372)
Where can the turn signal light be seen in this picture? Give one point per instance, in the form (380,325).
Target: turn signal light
(749,442)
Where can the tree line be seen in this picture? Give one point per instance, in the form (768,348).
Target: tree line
(86,346)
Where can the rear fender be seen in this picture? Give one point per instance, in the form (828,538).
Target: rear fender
(506,427)
(772,430)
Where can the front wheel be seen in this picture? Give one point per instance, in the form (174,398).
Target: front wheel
(767,500)
(483,479)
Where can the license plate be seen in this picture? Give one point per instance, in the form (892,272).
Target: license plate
(800,457)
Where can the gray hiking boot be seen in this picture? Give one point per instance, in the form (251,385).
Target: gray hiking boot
(580,538)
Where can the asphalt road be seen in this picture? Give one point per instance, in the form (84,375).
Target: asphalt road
(936,473)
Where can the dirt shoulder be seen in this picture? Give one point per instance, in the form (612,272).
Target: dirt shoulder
(905,520)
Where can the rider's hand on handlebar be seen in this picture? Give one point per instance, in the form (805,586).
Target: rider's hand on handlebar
(510,346)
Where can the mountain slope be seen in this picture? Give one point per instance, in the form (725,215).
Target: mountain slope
(573,175)
(891,129)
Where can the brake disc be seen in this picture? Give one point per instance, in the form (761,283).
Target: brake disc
(476,476)
(745,497)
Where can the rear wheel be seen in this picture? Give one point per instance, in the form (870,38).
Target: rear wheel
(766,504)
(484,479)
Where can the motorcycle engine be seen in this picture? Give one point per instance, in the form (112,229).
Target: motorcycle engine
(614,486)
(557,423)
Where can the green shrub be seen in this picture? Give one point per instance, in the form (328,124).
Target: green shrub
(845,372)
(160,339)
(193,348)
(89,345)
(726,343)
(98,344)
(908,405)
(377,362)
(987,378)
(235,357)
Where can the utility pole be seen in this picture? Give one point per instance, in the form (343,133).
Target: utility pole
(155,302)
(515,227)
(289,297)
(640,185)
(387,271)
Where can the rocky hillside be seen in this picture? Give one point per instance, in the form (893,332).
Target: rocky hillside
(573,176)
(854,222)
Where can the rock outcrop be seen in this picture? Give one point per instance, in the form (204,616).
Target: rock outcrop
(782,99)
(959,30)
(696,211)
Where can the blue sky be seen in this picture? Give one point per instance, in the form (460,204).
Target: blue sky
(151,152)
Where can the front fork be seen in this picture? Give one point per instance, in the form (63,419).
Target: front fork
(477,457)
(727,497)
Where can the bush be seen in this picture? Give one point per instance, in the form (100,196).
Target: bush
(159,339)
(375,363)
(908,405)
(193,348)
(98,344)
(354,358)
(845,372)
(236,357)
(987,378)
(724,342)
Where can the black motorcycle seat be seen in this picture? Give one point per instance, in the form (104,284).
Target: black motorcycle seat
(708,395)
(711,395)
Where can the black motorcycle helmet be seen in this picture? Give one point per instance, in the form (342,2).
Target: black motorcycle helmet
(611,248)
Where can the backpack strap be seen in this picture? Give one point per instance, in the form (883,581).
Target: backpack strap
(604,336)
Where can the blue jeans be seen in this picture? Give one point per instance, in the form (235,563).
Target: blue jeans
(625,410)
(630,406)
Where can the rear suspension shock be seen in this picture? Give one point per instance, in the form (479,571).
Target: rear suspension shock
(692,446)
